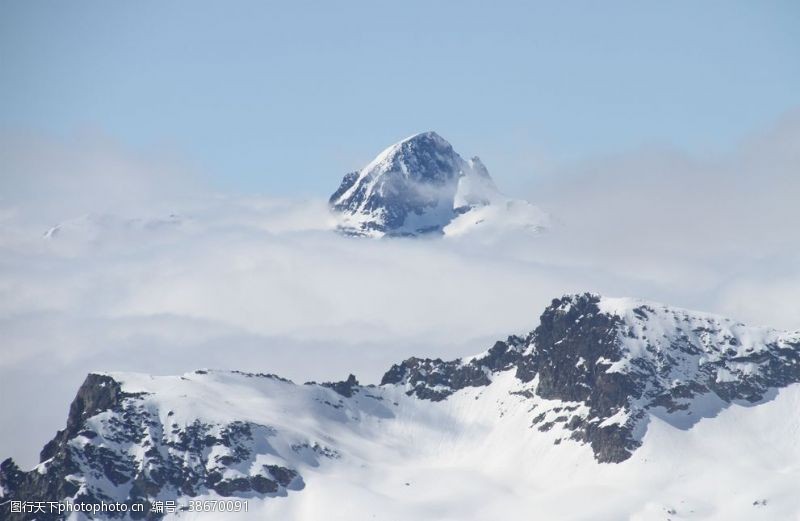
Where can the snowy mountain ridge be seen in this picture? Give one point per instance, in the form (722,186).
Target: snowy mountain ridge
(619,360)
(420,185)
(600,388)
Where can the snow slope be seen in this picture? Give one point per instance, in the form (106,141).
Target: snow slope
(671,426)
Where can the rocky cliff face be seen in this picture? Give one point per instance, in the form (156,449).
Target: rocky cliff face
(119,447)
(594,372)
(611,362)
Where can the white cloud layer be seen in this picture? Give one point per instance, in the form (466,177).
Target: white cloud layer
(147,271)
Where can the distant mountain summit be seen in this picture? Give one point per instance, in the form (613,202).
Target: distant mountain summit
(421,185)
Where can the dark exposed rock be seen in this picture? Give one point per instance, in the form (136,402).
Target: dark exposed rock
(346,388)
(98,393)
(10,475)
(282,475)
(263,485)
(317,449)
(176,459)
(263,375)
(347,182)
(229,487)
(578,354)
(435,379)
(574,346)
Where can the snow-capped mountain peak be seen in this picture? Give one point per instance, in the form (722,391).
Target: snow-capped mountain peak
(421,185)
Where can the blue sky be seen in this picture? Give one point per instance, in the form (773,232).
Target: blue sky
(284,98)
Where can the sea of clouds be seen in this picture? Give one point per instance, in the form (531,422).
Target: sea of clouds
(110,260)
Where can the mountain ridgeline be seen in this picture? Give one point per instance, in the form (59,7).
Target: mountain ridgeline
(592,374)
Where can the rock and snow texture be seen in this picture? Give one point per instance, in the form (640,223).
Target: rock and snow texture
(421,185)
(612,364)
(638,410)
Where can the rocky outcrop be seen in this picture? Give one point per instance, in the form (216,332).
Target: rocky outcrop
(611,368)
(117,448)
(346,388)
(435,379)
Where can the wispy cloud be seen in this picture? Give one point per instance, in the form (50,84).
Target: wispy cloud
(152,271)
